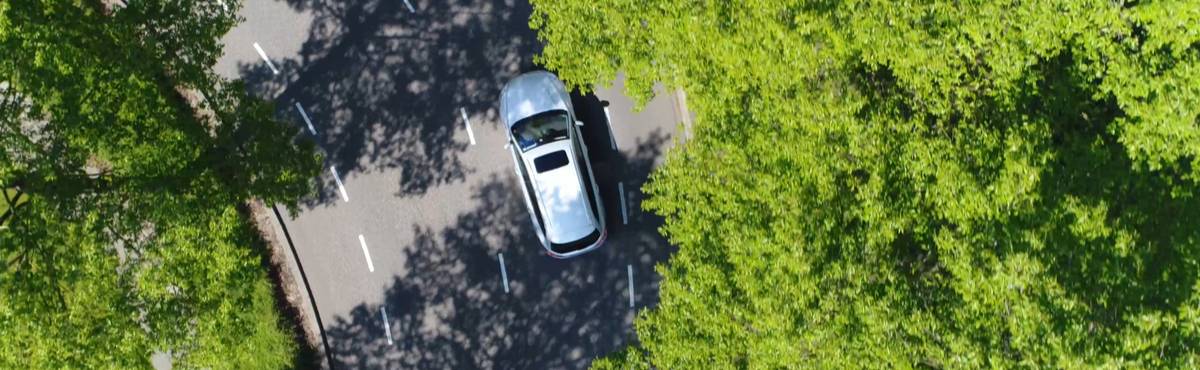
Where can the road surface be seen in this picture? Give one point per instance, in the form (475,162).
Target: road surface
(402,247)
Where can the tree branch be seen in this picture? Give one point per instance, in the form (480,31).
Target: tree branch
(12,206)
(15,260)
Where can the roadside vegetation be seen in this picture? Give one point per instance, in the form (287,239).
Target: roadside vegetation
(913,184)
(129,238)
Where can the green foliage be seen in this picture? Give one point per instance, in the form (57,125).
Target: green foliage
(129,239)
(929,184)
(12,199)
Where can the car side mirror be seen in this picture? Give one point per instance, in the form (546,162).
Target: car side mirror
(579,123)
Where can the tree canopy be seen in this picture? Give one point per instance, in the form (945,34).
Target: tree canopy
(128,238)
(913,184)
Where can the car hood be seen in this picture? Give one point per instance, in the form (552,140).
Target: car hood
(530,94)
(561,196)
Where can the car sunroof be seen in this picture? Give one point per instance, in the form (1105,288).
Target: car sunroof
(550,161)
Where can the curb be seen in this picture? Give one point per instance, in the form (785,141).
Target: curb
(298,288)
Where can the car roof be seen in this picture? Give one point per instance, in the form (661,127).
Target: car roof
(529,94)
(560,195)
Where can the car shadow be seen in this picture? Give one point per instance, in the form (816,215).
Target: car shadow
(616,170)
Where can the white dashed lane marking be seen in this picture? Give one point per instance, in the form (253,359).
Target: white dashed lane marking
(341,188)
(386,325)
(503,272)
(366,253)
(307,121)
(410,7)
(624,213)
(467,121)
(263,54)
(629,268)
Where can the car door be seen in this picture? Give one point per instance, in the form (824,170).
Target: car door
(588,177)
(535,214)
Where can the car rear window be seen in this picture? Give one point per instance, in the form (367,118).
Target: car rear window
(550,161)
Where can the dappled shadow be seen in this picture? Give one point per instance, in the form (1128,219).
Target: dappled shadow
(1158,273)
(384,86)
(449,309)
(1093,180)
(1121,241)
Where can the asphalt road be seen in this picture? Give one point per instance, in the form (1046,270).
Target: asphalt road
(386,89)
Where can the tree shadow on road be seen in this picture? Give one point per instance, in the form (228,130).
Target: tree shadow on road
(383,86)
(449,309)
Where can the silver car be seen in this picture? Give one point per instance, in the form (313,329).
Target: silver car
(552,162)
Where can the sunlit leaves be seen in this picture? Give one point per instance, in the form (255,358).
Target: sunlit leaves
(894,184)
(131,240)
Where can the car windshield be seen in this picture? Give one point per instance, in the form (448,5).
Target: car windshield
(540,129)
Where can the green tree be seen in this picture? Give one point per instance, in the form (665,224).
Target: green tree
(914,184)
(128,238)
